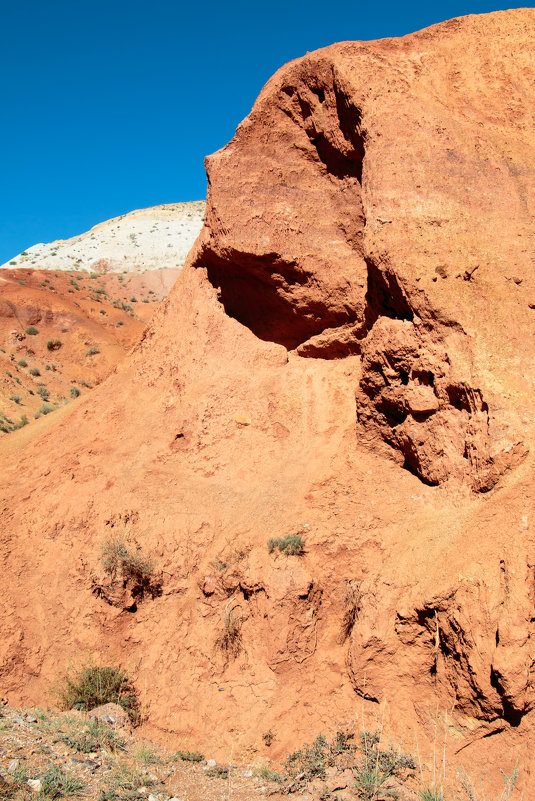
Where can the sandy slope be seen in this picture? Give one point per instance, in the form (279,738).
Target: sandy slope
(347,356)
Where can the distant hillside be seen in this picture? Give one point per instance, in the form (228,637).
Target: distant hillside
(63,333)
(145,239)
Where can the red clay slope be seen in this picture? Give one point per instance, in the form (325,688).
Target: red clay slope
(347,355)
(80,326)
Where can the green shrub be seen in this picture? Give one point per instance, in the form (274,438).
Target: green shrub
(15,398)
(91,685)
(75,392)
(190,756)
(22,363)
(92,351)
(34,371)
(32,331)
(311,761)
(54,344)
(45,408)
(119,322)
(43,392)
(291,545)
(217,772)
(117,558)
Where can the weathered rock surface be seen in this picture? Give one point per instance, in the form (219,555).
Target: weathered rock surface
(362,295)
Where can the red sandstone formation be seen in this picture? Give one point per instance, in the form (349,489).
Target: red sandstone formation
(347,355)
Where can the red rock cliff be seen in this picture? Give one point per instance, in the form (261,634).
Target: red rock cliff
(348,355)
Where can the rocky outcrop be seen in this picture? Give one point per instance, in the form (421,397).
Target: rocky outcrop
(347,357)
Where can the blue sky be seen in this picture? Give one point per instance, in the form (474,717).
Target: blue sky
(111,105)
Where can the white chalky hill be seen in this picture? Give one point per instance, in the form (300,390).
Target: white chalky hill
(146,239)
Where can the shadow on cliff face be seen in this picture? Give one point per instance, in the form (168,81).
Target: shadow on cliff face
(409,395)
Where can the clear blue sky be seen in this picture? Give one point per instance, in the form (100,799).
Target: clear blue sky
(111,105)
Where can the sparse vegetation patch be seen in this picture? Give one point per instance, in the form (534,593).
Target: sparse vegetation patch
(291,545)
(91,685)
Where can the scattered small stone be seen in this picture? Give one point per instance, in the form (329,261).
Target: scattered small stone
(13,765)
(152,798)
(17,719)
(211,763)
(247,774)
(34,785)
(31,719)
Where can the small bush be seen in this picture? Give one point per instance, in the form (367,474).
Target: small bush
(15,398)
(117,558)
(43,392)
(92,351)
(92,685)
(34,371)
(312,761)
(230,638)
(32,331)
(22,363)
(291,545)
(75,392)
(119,322)
(45,408)
(217,772)
(54,344)
(190,756)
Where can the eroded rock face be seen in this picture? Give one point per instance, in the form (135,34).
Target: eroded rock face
(314,254)
(348,354)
